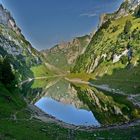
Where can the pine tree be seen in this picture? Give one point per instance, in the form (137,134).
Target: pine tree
(6,72)
(0,69)
(137,11)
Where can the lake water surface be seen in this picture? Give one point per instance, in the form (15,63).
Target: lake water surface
(66,112)
(80,104)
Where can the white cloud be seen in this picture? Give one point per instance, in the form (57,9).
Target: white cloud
(88,14)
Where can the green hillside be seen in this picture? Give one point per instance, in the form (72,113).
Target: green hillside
(110,39)
(20,52)
(106,57)
(102,60)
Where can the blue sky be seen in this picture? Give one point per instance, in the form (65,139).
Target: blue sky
(48,22)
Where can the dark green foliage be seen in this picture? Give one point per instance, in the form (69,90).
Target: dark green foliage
(84,59)
(6,75)
(96,39)
(0,69)
(114,29)
(135,34)
(124,60)
(105,99)
(124,5)
(106,24)
(127,27)
(137,12)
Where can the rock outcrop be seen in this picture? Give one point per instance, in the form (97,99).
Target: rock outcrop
(7,20)
(128,6)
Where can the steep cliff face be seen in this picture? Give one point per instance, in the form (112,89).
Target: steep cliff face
(7,20)
(108,47)
(16,47)
(65,54)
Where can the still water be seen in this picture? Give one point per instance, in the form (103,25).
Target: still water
(80,104)
(66,112)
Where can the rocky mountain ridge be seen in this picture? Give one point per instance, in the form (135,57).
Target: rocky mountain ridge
(66,51)
(127,7)
(7,20)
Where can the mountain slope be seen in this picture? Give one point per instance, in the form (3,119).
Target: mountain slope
(126,8)
(108,45)
(65,54)
(14,45)
(107,55)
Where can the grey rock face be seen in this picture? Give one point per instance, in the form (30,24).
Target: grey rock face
(7,20)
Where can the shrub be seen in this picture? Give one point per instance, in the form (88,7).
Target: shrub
(127,26)
(137,11)
(124,60)
(106,24)
(6,75)
(115,28)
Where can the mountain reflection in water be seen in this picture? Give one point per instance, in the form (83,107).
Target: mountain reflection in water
(80,104)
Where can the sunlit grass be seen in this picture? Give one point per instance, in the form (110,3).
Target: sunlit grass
(41,71)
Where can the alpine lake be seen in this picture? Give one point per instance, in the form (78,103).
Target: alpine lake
(79,104)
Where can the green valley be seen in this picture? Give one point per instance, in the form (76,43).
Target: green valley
(95,76)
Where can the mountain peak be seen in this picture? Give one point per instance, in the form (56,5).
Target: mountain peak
(133,1)
(7,20)
(132,4)
(127,7)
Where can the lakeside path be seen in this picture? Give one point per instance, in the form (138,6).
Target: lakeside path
(40,78)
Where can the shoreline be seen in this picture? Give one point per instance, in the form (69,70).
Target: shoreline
(46,118)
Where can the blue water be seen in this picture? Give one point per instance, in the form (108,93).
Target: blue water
(67,113)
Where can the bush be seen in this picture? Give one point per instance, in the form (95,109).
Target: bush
(6,75)
(114,29)
(0,69)
(137,11)
(124,60)
(106,24)
(127,26)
